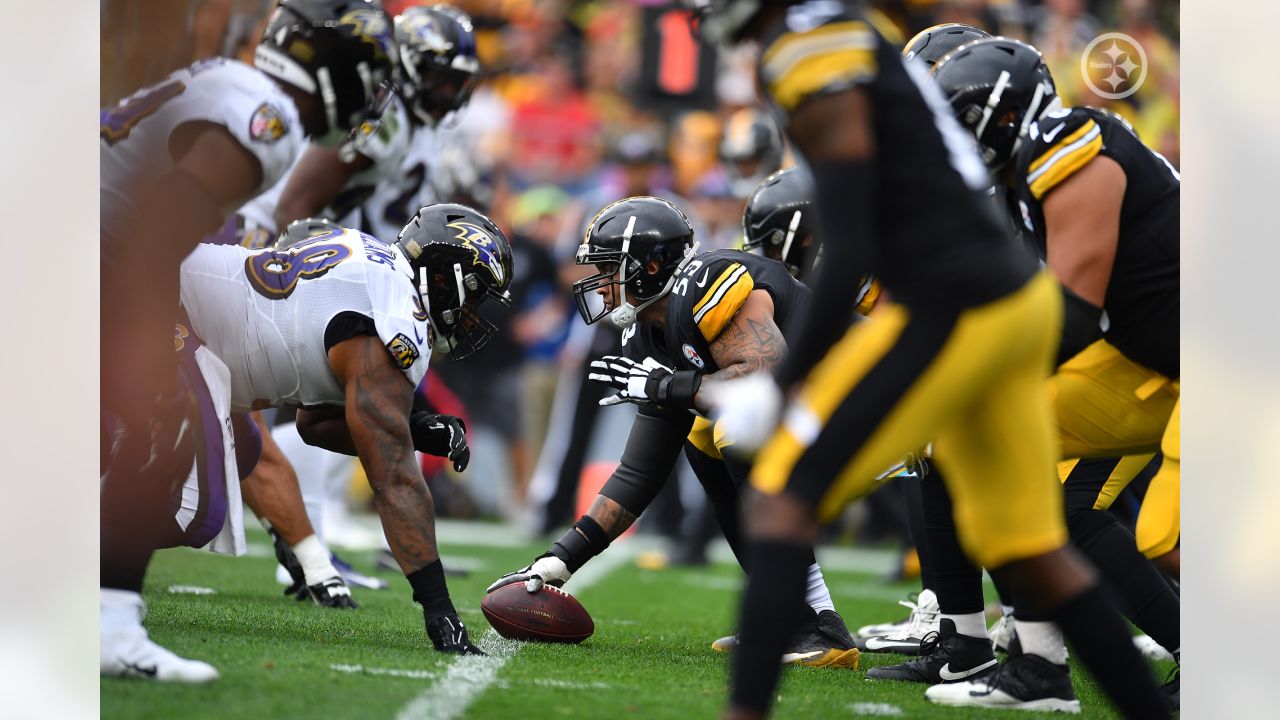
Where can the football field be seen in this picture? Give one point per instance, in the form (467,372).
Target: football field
(650,656)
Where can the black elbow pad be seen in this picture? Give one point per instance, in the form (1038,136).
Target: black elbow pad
(1080,326)
(652,448)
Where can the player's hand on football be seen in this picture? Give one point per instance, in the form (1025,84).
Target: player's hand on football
(547,569)
(442,436)
(747,410)
(637,382)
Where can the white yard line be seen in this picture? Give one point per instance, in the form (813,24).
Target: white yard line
(467,678)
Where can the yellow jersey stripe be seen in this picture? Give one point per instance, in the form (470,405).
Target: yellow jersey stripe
(1066,142)
(1062,168)
(792,47)
(715,286)
(815,72)
(868,296)
(885,26)
(715,316)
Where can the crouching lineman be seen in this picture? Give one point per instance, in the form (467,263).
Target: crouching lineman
(176,158)
(338,326)
(684,316)
(957,359)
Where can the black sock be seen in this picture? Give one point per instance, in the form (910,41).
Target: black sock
(771,606)
(1101,640)
(430,592)
(1003,589)
(915,524)
(1144,596)
(957,582)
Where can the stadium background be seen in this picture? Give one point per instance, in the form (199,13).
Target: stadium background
(584,102)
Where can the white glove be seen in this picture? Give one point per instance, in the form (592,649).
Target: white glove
(747,410)
(547,569)
(637,381)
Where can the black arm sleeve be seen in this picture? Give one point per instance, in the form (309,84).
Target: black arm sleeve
(845,223)
(1079,325)
(346,325)
(652,448)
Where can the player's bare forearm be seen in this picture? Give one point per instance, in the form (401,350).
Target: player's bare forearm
(326,427)
(379,399)
(751,343)
(611,517)
(320,176)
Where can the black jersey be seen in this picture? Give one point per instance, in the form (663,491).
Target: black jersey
(706,296)
(1141,303)
(937,240)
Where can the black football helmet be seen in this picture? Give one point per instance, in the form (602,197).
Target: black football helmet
(751,150)
(438,60)
(997,89)
(779,221)
(342,52)
(932,43)
(306,229)
(622,241)
(462,259)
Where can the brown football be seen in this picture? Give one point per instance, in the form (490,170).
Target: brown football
(549,615)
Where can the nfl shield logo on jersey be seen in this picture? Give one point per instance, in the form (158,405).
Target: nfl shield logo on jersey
(403,351)
(266,124)
(692,356)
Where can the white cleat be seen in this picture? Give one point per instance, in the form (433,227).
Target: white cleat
(1023,682)
(903,637)
(126,651)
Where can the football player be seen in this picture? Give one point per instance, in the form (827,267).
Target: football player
(1102,211)
(340,328)
(957,358)
(751,150)
(176,158)
(439,71)
(685,316)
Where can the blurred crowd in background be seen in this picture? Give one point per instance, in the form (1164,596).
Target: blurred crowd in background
(585,102)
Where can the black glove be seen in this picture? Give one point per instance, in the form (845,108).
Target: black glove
(442,436)
(160,450)
(449,635)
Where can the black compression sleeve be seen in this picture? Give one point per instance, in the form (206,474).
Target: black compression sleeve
(651,451)
(1079,325)
(845,224)
(346,325)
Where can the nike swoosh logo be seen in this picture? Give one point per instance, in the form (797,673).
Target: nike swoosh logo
(947,676)
(703,281)
(415,334)
(877,643)
(1049,136)
(794,657)
(146,672)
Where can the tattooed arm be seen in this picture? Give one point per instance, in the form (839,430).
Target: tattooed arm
(751,342)
(379,399)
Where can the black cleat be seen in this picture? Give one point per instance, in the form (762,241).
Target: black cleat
(822,641)
(1024,682)
(945,657)
(331,593)
(449,635)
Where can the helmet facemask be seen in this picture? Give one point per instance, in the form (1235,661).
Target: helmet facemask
(453,297)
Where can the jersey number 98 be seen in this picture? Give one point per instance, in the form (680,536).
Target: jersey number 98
(275,273)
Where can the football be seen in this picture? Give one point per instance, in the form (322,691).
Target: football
(549,615)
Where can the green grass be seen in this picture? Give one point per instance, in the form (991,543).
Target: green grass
(649,657)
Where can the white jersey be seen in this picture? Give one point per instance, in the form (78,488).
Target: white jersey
(135,135)
(265,312)
(387,149)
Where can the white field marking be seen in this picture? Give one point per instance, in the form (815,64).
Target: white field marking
(869,708)
(843,559)
(468,677)
(190,590)
(390,672)
(366,533)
